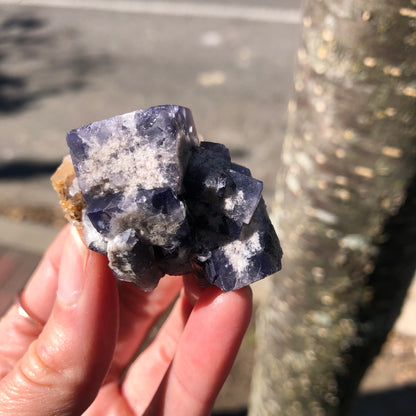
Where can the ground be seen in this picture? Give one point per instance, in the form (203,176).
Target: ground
(62,67)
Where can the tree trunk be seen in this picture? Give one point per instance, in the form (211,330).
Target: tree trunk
(345,207)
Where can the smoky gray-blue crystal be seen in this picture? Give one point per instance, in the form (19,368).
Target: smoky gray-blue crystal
(159,202)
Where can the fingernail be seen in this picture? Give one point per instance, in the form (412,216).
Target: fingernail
(72,272)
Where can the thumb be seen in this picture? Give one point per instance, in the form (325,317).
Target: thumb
(62,370)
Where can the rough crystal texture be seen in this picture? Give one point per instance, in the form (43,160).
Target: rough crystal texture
(159,202)
(65,184)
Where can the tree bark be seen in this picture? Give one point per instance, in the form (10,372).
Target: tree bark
(345,207)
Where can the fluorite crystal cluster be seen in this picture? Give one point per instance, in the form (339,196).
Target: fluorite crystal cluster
(156,201)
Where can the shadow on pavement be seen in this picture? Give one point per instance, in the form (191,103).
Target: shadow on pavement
(14,32)
(19,169)
(37,61)
(238,412)
(394,402)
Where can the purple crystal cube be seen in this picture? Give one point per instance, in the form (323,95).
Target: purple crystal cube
(253,256)
(158,202)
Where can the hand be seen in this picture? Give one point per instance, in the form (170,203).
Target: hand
(81,358)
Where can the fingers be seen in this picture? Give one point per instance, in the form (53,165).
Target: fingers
(16,332)
(146,373)
(205,353)
(63,369)
(138,313)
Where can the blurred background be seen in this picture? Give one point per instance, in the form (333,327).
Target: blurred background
(66,63)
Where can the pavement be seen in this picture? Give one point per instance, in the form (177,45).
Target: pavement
(65,63)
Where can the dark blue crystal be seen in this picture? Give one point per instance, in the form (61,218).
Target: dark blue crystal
(251,261)
(206,176)
(158,202)
(243,197)
(240,169)
(169,119)
(219,149)
(79,148)
(165,201)
(102,209)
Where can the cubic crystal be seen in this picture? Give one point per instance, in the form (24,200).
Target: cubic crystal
(156,201)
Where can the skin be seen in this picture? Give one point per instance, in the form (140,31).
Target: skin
(82,359)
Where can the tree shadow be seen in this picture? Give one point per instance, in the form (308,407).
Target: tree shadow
(11,93)
(237,412)
(394,402)
(21,169)
(37,61)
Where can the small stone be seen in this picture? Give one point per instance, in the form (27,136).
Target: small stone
(156,201)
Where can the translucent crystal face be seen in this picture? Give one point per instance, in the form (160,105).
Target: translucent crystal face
(159,202)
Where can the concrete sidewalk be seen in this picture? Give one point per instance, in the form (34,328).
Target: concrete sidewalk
(65,63)
(69,66)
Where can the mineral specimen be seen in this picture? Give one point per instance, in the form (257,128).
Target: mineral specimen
(65,183)
(156,201)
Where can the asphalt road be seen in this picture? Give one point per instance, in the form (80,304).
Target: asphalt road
(62,67)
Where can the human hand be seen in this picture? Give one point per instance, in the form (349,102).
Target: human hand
(81,355)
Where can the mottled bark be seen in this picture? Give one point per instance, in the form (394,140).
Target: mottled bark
(345,207)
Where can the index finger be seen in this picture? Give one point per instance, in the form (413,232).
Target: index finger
(138,313)
(205,353)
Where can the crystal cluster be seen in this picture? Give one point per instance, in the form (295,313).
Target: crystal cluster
(156,201)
